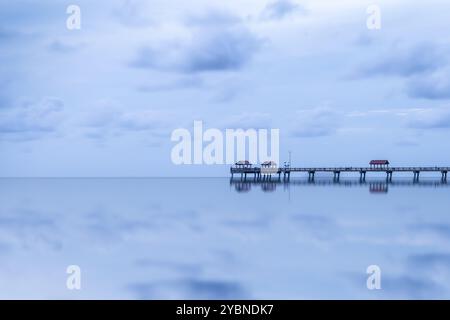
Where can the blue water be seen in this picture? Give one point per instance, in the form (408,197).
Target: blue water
(212,239)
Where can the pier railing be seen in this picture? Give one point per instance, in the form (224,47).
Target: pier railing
(286,171)
(359,169)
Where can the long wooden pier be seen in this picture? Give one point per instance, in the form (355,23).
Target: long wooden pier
(259,174)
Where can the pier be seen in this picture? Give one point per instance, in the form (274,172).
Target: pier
(375,186)
(245,169)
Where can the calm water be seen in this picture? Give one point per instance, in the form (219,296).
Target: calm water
(210,239)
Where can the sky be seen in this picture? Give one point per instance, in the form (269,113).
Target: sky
(103,100)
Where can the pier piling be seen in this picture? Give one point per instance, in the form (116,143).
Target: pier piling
(389,175)
(362,175)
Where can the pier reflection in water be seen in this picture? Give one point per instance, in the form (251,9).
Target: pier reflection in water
(374,186)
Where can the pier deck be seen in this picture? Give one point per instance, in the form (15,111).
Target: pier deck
(286,171)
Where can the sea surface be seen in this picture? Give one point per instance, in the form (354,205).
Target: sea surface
(212,238)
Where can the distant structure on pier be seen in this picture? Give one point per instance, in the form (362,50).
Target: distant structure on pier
(269,164)
(269,168)
(243,164)
(379,164)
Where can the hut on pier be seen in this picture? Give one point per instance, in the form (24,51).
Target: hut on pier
(379,164)
(243,164)
(269,167)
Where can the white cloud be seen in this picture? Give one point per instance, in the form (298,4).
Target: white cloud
(248,120)
(432,86)
(317,122)
(433,118)
(279,9)
(31,119)
(222,46)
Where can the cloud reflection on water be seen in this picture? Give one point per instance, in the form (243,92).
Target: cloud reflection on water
(200,239)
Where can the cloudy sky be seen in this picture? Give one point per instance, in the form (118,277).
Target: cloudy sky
(104,100)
